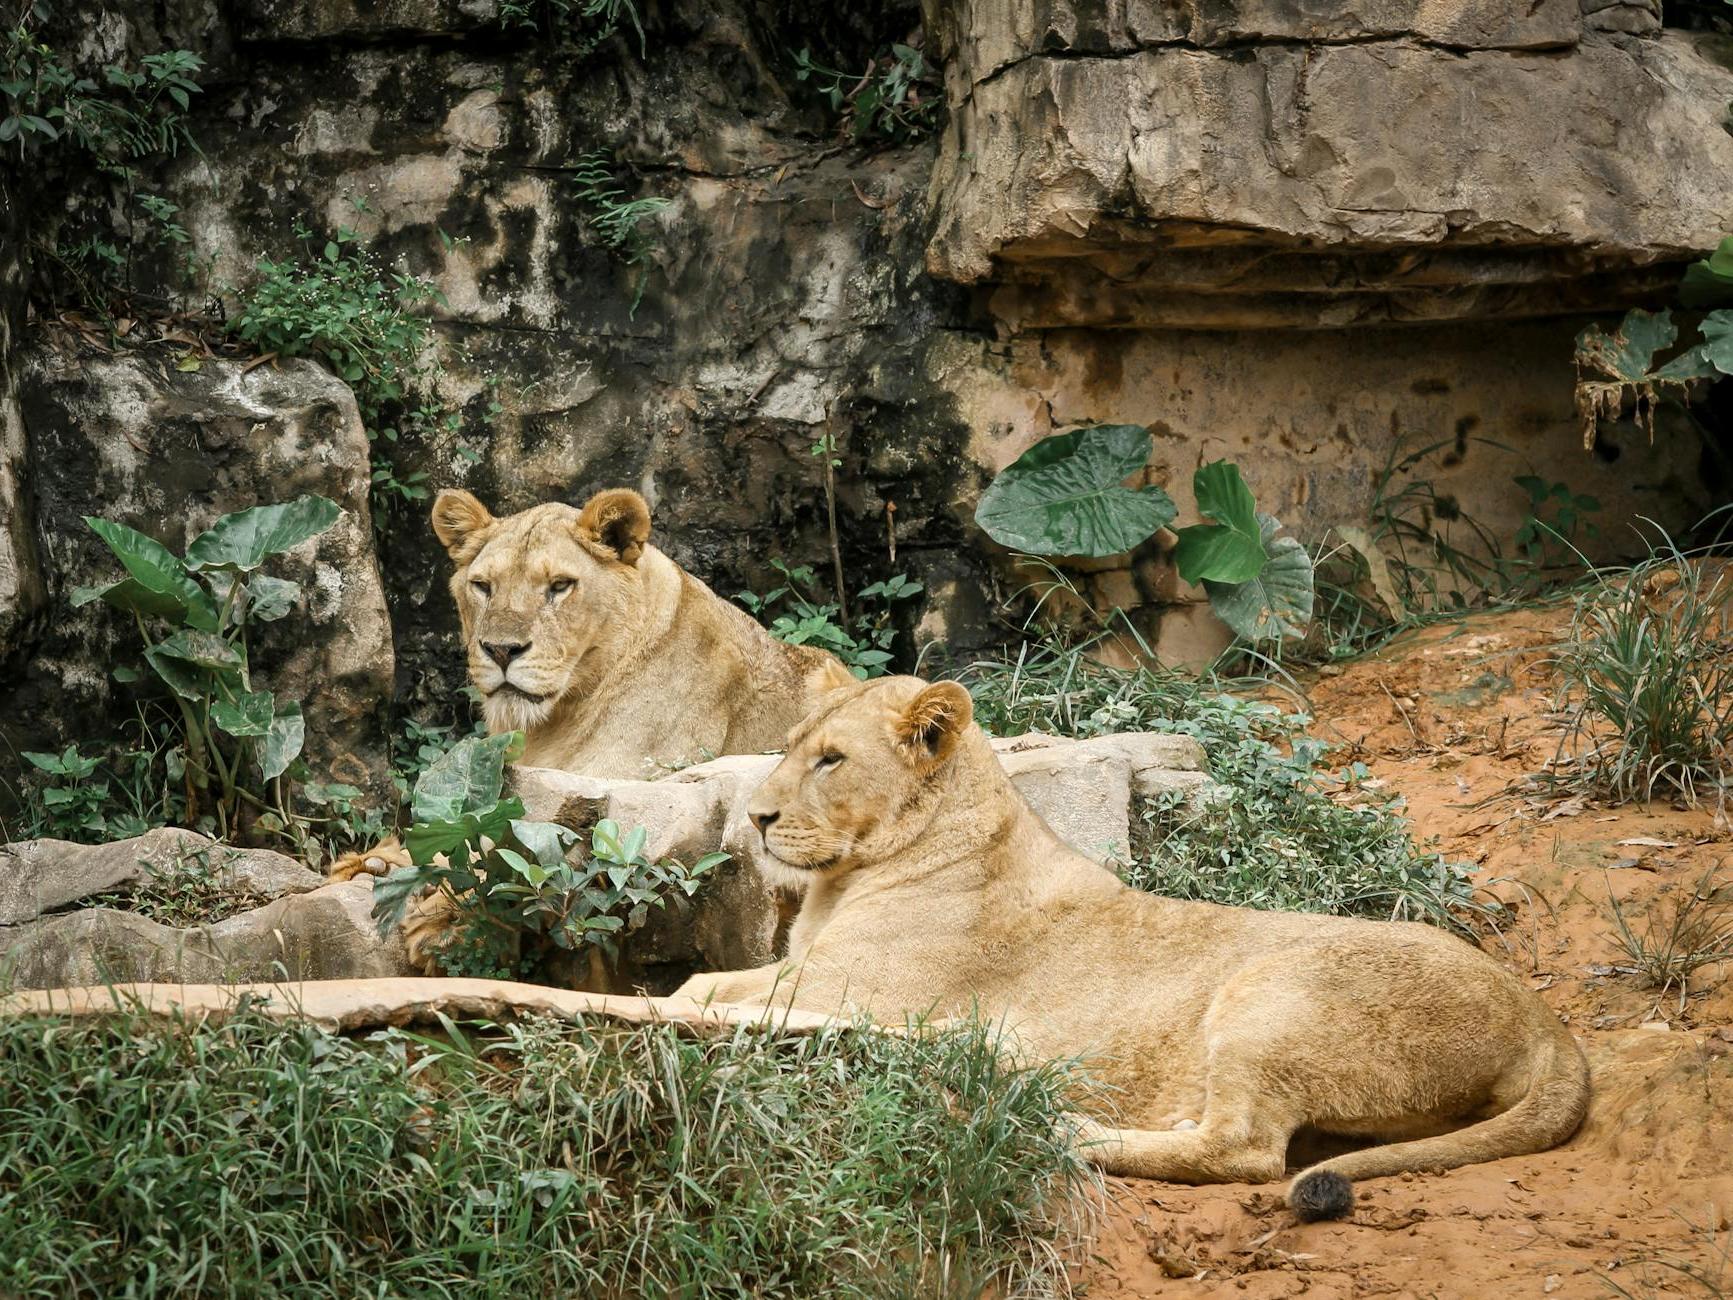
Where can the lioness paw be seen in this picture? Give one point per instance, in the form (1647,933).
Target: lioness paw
(382,858)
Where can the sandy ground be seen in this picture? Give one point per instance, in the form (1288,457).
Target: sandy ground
(1453,718)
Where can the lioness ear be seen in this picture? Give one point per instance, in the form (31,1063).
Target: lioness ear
(457,518)
(617,520)
(933,723)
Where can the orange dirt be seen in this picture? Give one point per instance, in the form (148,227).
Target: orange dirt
(1453,718)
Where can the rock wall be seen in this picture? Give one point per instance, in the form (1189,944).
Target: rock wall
(1317,238)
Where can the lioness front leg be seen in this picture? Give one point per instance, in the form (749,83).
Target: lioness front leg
(759,986)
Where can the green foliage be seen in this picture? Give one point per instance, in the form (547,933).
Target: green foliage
(1066,496)
(337,306)
(800,616)
(236,740)
(895,99)
(256,1158)
(1647,684)
(1554,521)
(72,803)
(615,221)
(1289,835)
(1612,367)
(585,23)
(185,892)
(509,879)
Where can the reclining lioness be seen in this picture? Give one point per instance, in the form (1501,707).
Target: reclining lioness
(608,656)
(932,888)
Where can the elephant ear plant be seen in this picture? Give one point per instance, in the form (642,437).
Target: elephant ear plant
(1066,496)
(195,613)
(517,898)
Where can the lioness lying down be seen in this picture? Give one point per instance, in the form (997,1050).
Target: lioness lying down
(932,888)
(607,655)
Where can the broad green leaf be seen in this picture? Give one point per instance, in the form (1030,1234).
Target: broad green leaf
(1627,353)
(467,778)
(547,842)
(157,569)
(392,892)
(202,649)
(184,679)
(1709,283)
(605,840)
(282,744)
(709,862)
(1066,495)
(131,594)
(531,871)
(632,847)
(246,539)
(1717,344)
(268,598)
(428,839)
(1278,602)
(250,714)
(1231,549)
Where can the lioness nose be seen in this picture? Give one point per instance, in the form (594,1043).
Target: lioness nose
(503,654)
(764,821)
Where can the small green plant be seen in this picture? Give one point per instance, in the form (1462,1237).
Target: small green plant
(1066,496)
(1647,684)
(187,891)
(895,98)
(1677,937)
(1554,522)
(337,306)
(194,615)
(251,1156)
(799,616)
(616,221)
(587,23)
(72,801)
(509,880)
(1290,835)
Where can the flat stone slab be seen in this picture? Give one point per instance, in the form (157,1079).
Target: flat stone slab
(350,1005)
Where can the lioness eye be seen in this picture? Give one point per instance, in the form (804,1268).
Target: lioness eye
(829,759)
(482,588)
(558,585)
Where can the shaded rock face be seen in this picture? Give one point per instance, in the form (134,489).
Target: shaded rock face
(297,925)
(167,452)
(1320,239)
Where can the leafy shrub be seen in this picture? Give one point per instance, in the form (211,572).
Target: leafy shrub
(1285,839)
(586,23)
(1647,683)
(1554,521)
(896,97)
(509,880)
(799,616)
(614,220)
(1066,495)
(236,739)
(251,1157)
(72,804)
(338,307)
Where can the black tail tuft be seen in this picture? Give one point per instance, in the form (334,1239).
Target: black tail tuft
(1321,1194)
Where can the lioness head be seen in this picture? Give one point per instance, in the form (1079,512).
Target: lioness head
(863,774)
(536,590)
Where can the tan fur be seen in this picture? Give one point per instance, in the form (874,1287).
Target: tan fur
(934,889)
(632,668)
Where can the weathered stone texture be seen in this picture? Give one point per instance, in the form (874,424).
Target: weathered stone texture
(1294,181)
(42,876)
(167,452)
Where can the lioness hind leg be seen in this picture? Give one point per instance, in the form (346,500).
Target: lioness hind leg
(427,930)
(385,856)
(1233,1144)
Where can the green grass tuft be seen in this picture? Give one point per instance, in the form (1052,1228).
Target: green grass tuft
(1294,837)
(153,1158)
